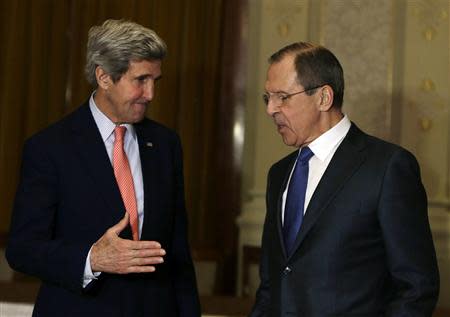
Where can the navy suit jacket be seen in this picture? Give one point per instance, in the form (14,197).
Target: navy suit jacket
(364,247)
(66,200)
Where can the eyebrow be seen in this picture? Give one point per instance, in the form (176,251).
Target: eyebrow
(277,92)
(147,76)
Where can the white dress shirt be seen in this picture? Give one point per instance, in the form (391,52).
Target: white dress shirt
(323,148)
(131,147)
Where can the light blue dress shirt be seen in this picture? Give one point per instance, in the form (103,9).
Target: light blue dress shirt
(131,147)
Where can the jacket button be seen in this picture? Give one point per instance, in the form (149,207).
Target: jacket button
(287,270)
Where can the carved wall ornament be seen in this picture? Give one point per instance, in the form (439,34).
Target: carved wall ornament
(428,104)
(284,29)
(284,14)
(431,14)
(425,124)
(428,85)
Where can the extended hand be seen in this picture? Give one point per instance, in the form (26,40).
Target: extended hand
(113,254)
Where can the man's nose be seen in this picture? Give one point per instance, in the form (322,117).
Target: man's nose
(149,90)
(271,107)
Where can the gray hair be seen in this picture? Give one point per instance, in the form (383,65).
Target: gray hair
(116,43)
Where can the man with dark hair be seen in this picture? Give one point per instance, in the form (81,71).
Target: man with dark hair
(99,214)
(346,231)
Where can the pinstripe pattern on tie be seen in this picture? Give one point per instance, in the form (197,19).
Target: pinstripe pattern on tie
(124,179)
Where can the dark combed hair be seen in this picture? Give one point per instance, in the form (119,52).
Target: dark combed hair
(315,66)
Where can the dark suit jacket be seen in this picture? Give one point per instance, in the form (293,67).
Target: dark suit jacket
(66,200)
(364,248)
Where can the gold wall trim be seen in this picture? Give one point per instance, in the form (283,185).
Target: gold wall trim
(439,203)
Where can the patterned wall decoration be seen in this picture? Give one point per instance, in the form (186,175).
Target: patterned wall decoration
(363,43)
(425,119)
(431,14)
(284,14)
(428,104)
(424,89)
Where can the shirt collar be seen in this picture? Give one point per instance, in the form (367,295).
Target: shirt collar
(324,144)
(104,124)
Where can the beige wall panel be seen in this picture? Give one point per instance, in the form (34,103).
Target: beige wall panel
(425,115)
(359,33)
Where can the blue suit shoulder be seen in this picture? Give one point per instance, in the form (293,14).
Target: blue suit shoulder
(383,150)
(55,133)
(157,129)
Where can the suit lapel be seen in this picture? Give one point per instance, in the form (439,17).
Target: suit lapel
(94,157)
(147,152)
(346,160)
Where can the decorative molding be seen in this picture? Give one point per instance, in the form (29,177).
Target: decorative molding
(439,203)
(251,220)
(431,14)
(428,85)
(428,104)
(284,13)
(250,223)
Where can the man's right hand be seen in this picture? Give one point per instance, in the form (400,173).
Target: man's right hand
(113,254)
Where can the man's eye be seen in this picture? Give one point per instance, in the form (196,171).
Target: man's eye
(142,80)
(283,97)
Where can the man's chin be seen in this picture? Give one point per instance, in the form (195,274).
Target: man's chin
(138,117)
(287,140)
(137,120)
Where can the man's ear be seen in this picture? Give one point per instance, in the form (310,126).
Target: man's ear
(326,98)
(103,79)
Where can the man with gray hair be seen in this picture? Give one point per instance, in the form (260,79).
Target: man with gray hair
(99,213)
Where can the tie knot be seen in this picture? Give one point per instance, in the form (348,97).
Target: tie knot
(305,155)
(119,132)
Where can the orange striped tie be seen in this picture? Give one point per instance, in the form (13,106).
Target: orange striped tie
(124,179)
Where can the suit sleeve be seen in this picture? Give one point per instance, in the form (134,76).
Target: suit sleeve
(262,301)
(183,272)
(33,247)
(408,241)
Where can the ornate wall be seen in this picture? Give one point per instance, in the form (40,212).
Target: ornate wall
(364,45)
(395,56)
(424,125)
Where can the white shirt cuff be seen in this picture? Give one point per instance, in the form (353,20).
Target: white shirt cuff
(89,276)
